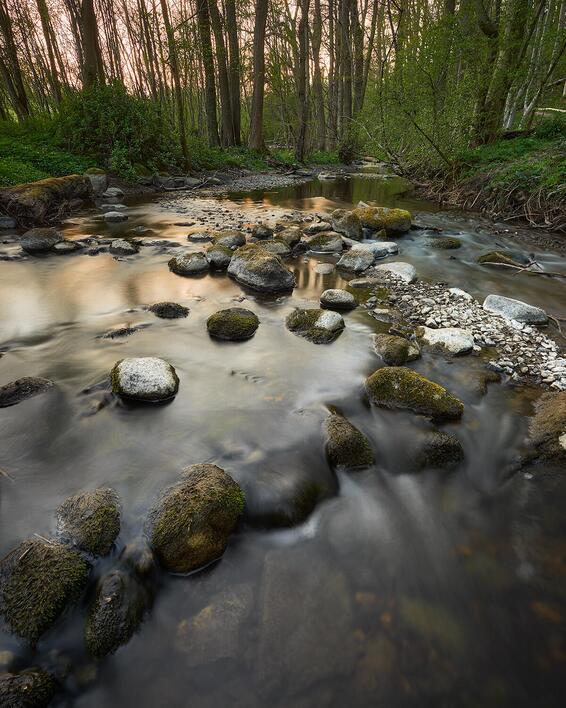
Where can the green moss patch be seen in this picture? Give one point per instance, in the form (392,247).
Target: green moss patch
(346,446)
(234,324)
(90,520)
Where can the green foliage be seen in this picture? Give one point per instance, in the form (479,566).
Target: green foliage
(323,157)
(551,128)
(350,147)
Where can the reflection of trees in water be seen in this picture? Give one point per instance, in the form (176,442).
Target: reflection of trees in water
(313,283)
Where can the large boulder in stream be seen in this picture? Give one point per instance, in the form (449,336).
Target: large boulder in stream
(394,221)
(145,379)
(115,614)
(32,688)
(22,389)
(327,242)
(395,350)
(40,240)
(90,520)
(260,270)
(356,261)
(189,264)
(514,310)
(38,580)
(347,223)
(547,430)
(318,326)
(230,239)
(338,299)
(219,256)
(450,340)
(234,324)
(346,446)
(400,388)
(190,525)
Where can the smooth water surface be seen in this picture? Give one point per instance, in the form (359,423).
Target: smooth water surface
(401,589)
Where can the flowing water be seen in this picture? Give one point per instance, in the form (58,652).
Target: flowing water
(401,589)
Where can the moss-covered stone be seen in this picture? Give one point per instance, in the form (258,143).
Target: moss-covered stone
(230,238)
(394,350)
(277,246)
(169,310)
(22,389)
(397,387)
(115,614)
(347,223)
(190,525)
(547,429)
(346,446)
(439,450)
(326,242)
(38,580)
(90,520)
(260,270)
(219,256)
(189,264)
(393,221)
(234,324)
(498,257)
(32,688)
(446,243)
(290,235)
(316,325)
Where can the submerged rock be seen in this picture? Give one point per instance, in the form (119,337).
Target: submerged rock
(547,429)
(22,389)
(394,221)
(189,264)
(219,256)
(234,324)
(260,270)
(452,340)
(145,379)
(439,450)
(346,446)
(32,688)
(514,309)
(64,247)
(190,525)
(121,247)
(169,310)
(318,326)
(200,236)
(356,261)
(327,242)
(40,240)
(446,243)
(498,257)
(403,271)
(90,520)
(113,193)
(347,223)
(115,217)
(38,580)
(397,387)
(230,239)
(336,299)
(115,614)
(394,350)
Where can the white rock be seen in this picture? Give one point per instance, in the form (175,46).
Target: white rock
(330,321)
(514,309)
(145,379)
(338,299)
(380,249)
(461,293)
(403,271)
(450,339)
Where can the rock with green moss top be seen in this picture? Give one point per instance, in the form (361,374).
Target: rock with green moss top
(219,256)
(439,450)
(498,257)
(230,238)
(277,246)
(393,221)
(32,688)
(144,379)
(394,350)
(290,235)
(260,270)
(326,242)
(346,446)
(191,524)
(262,232)
(347,223)
(547,430)
(234,324)
(169,310)
(90,520)
(115,614)
(189,264)
(397,387)
(446,243)
(318,326)
(38,580)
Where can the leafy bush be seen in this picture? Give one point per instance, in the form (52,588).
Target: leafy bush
(552,128)
(349,147)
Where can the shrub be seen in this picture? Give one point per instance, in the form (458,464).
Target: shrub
(551,128)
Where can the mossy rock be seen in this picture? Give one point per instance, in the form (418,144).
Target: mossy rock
(234,324)
(169,310)
(260,270)
(22,389)
(189,264)
(326,242)
(394,350)
(290,235)
(115,614)
(393,221)
(262,232)
(230,238)
(191,524)
(219,256)
(38,580)
(399,388)
(316,325)
(347,223)
(447,243)
(90,520)
(498,257)
(277,246)
(346,446)
(95,171)
(547,429)
(439,450)
(32,688)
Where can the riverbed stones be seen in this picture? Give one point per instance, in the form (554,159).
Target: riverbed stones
(22,389)
(356,261)
(65,246)
(291,235)
(400,388)
(219,256)
(402,271)
(277,246)
(346,446)
(260,270)
(90,521)
(515,310)
(326,242)
(365,283)
(317,227)
(189,264)
(115,614)
(395,350)
(40,240)
(113,193)
(318,326)
(230,239)
(32,688)
(547,429)
(262,232)
(38,580)
(121,247)
(395,221)
(115,217)
(451,340)
(200,237)
(439,450)
(147,379)
(169,310)
(379,249)
(337,299)
(347,223)
(234,324)
(190,525)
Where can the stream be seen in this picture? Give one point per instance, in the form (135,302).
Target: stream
(401,588)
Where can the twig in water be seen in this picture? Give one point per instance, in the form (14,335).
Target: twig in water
(7,475)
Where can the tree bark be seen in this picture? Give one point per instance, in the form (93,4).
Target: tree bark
(302,80)
(256,141)
(234,68)
(10,67)
(93,71)
(227,123)
(203,19)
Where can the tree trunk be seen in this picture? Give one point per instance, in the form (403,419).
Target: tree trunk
(256,141)
(234,69)
(10,67)
(203,19)
(48,37)
(227,123)
(93,71)
(302,80)
(316,39)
